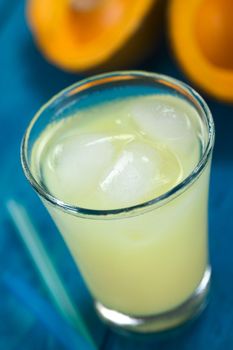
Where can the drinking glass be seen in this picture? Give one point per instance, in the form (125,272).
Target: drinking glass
(145,265)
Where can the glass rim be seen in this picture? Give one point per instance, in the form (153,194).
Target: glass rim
(158,201)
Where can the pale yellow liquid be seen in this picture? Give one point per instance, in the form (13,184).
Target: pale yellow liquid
(114,156)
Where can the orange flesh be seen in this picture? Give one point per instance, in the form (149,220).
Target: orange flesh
(201,33)
(85,5)
(89,25)
(78,39)
(214,30)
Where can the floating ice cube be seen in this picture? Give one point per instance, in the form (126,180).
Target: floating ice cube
(166,119)
(133,176)
(78,164)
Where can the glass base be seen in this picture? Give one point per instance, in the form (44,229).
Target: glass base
(190,309)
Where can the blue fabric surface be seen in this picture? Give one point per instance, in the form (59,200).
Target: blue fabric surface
(27,81)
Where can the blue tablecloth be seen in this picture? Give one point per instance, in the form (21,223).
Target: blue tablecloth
(28,319)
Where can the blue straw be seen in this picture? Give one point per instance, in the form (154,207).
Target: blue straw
(43,311)
(46,269)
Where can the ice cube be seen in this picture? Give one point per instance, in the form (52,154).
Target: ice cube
(166,119)
(133,176)
(75,165)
